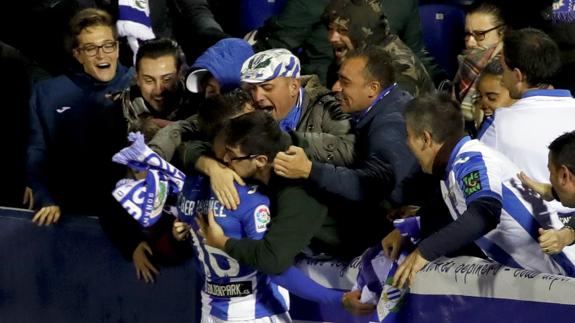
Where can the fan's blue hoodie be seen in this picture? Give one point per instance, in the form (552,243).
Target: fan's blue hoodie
(224,61)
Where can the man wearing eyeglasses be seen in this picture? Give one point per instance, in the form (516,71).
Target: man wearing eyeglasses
(299,220)
(75,127)
(302,106)
(484,28)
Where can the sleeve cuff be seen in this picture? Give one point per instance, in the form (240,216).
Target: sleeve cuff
(316,172)
(42,198)
(229,246)
(427,252)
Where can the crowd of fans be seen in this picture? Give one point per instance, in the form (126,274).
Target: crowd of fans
(308,138)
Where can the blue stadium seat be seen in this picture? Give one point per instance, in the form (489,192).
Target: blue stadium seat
(443,33)
(253,13)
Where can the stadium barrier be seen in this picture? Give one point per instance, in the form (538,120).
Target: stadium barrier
(70,272)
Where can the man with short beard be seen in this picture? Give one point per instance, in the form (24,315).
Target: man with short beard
(158,105)
(158,95)
(561,188)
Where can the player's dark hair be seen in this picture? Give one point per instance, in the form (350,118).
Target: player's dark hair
(257,133)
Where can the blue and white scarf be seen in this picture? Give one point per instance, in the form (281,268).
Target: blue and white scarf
(134,22)
(375,279)
(563,11)
(409,227)
(145,199)
(291,120)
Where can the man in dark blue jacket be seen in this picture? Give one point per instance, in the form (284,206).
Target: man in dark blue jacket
(75,128)
(367,90)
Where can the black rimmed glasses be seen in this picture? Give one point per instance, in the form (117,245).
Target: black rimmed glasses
(240,158)
(479,35)
(92,50)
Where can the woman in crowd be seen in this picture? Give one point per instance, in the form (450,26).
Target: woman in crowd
(484,27)
(491,95)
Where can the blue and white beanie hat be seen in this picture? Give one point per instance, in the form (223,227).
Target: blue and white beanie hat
(270,64)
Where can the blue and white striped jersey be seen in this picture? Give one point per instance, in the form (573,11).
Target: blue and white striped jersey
(475,170)
(231,291)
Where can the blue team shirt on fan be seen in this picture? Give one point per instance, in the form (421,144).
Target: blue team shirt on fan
(476,171)
(231,291)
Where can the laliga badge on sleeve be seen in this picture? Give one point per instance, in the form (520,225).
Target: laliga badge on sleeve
(261,218)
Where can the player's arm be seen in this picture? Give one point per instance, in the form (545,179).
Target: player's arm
(301,285)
